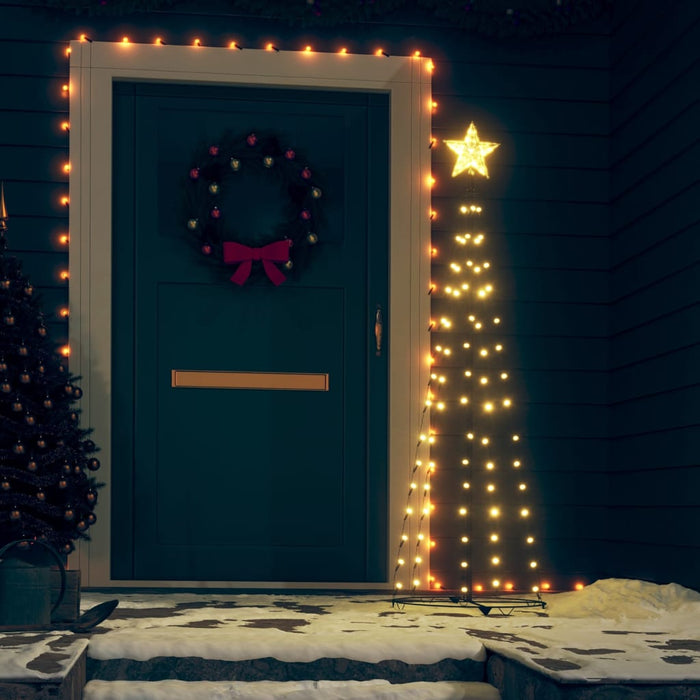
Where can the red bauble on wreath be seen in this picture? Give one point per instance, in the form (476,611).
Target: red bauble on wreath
(216,169)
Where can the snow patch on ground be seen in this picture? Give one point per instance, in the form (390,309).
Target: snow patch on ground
(615,629)
(297,690)
(36,654)
(618,599)
(288,628)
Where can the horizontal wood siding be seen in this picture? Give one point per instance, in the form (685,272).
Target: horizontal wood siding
(546,212)
(655,294)
(546,224)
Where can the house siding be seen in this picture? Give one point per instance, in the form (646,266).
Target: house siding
(655,293)
(592,423)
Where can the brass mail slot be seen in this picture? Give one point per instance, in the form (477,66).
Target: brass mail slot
(211,379)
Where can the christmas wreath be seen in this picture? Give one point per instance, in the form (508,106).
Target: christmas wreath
(217,168)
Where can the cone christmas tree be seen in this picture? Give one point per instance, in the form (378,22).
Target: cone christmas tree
(46,490)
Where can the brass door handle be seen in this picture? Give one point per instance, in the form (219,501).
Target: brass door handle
(378,330)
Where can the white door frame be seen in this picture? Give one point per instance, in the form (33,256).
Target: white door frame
(407,81)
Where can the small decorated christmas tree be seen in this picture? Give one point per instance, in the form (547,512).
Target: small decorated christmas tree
(46,491)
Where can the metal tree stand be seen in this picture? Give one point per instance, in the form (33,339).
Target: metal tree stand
(504,604)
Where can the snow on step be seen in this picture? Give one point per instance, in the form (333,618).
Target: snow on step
(288,628)
(290,690)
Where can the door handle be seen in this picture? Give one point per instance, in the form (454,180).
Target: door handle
(378,330)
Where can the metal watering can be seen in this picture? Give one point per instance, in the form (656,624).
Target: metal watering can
(25,591)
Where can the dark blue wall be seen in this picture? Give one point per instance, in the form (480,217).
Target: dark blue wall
(655,292)
(546,221)
(547,211)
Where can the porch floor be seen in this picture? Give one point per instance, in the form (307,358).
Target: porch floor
(629,638)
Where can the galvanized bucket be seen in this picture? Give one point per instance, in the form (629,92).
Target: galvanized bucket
(25,591)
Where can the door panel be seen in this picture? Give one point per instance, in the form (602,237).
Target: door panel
(248,484)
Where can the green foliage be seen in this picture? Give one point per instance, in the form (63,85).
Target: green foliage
(46,492)
(229,164)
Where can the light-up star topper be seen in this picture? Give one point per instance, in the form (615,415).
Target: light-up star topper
(471,153)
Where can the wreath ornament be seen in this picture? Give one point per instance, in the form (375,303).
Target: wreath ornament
(224,164)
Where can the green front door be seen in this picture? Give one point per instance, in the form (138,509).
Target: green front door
(248,484)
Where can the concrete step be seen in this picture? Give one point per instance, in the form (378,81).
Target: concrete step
(290,690)
(269,668)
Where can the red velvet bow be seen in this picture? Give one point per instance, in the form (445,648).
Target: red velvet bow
(269,254)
